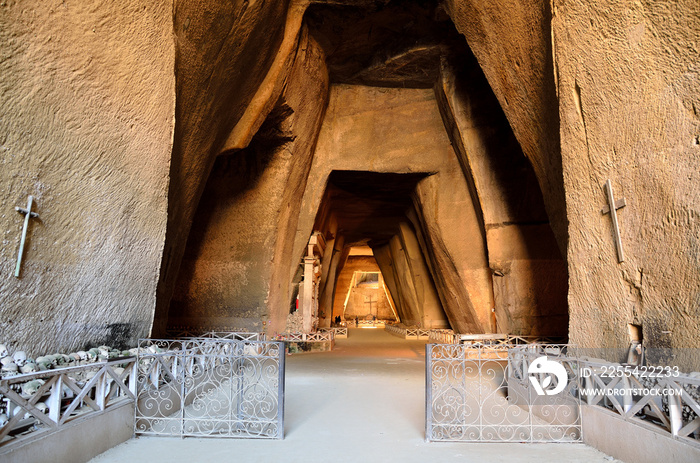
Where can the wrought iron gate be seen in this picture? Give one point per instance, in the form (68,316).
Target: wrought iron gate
(210,387)
(484,394)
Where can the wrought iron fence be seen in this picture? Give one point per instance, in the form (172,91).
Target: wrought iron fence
(233,335)
(186,332)
(210,387)
(473,395)
(444,336)
(518,339)
(45,401)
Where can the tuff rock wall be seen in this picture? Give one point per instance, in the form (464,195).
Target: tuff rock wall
(628,76)
(511,40)
(245,222)
(87,101)
(219,46)
(529,274)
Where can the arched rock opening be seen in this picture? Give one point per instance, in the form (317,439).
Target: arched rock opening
(362,208)
(390,89)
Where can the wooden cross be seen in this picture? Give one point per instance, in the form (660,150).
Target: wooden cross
(27,215)
(612,208)
(370,302)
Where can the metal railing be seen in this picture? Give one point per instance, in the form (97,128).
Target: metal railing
(231,335)
(518,339)
(338,332)
(407,333)
(187,332)
(639,395)
(472,397)
(46,401)
(442,336)
(210,387)
(445,336)
(318,336)
(670,403)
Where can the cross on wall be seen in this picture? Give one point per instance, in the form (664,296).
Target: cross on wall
(370,302)
(612,208)
(27,215)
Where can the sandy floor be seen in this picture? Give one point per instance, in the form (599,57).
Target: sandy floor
(362,402)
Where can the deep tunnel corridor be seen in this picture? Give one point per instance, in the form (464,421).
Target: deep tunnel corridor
(420,161)
(372,210)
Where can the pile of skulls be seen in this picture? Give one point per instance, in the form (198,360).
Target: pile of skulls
(295,322)
(19,363)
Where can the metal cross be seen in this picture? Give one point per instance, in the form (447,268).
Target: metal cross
(612,208)
(27,215)
(370,302)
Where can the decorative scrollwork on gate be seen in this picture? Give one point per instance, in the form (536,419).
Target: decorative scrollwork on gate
(473,395)
(211,387)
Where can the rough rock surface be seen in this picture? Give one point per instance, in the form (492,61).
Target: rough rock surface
(447,226)
(87,100)
(412,286)
(628,76)
(511,39)
(219,46)
(244,221)
(529,283)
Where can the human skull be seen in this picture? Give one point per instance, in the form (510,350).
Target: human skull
(9,370)
(20,358)
(3,351)
(6,360)
(19,410)
(43,363)
(31,387)
(42,407)
(82,355)
(92,354)
(66,392)
(29,367)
